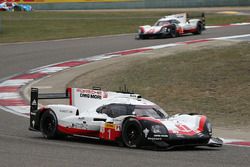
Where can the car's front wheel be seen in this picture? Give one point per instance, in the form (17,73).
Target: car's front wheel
(132,133)
(48,125)
(173,32)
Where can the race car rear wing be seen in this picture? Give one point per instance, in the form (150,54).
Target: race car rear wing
(185,17)
(201,16)
(35,96)
(83,99)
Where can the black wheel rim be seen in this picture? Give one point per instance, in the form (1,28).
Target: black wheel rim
(199,29)
(173,32)
(132,135)
(49,125)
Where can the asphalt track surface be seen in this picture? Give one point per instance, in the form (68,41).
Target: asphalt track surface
(20,147)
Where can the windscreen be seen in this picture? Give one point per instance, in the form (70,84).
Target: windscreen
(150,111)
(161,23)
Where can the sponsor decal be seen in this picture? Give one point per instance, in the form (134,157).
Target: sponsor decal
(146,131)
(154,138)
(33,123)
(65,111)
(34,102)
(109,126)
(184,130)
(91,94)
(79,126)
(33,113)
(117,128)
(159,135)
(179,135)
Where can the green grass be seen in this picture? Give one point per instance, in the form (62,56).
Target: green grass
(214,82)
(33,26)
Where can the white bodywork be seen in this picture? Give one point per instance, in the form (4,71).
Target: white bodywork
(183,25)
(88,101)
(7,5)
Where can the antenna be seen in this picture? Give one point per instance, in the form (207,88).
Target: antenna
(125,90)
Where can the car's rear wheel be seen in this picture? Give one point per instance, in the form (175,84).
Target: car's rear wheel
(17,8)
(48,125)
(198,29)
(132,133)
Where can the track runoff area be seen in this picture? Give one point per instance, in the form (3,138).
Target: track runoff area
(11,99)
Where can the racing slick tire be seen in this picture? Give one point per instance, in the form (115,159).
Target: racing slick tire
(142,37)
(18,9)
(48,125)
(132,133)
(173,32)
(198,29)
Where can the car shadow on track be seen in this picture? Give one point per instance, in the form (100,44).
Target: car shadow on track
(96,142)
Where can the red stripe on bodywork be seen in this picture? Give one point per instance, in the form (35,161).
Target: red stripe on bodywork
(30,76)
(128,52)
(149,119)
(9,89)
(184,130)
(71,64)
(69,90)
(75,131)
(202,123)
(190,30)
(13,102)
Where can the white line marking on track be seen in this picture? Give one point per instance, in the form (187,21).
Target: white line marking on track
(15,82)
(11,109)
(50,69)
(231,37)
(10,95)
(24,110)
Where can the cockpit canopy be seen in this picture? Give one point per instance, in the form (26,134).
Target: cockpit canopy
(116,110)
(166,22)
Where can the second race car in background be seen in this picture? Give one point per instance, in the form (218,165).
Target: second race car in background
(172,26)
(13,6)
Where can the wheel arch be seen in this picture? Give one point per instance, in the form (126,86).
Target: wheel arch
(40,114)
(137,123)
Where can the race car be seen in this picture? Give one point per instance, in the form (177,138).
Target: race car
(172,26)
(13,6)
(122,117)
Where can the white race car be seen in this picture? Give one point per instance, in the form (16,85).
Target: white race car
(122,117)
(172,26)
(13,6)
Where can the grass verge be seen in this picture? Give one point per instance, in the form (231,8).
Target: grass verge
(33,26)
(214,82)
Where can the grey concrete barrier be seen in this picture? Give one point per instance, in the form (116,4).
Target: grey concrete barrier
(137,4)
(1,24)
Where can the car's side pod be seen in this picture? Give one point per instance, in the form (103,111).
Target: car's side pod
(34,96)
(202,18)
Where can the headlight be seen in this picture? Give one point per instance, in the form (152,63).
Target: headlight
(159,129)
(164,30)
